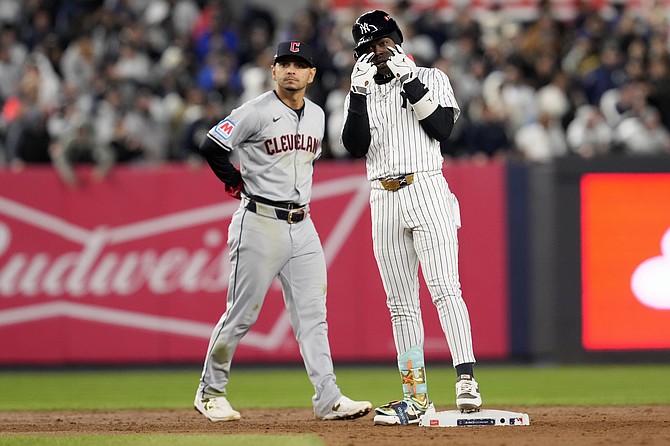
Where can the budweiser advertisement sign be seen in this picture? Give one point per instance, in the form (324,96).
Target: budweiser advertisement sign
(134,269)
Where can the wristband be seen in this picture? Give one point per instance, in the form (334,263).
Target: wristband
(425,106)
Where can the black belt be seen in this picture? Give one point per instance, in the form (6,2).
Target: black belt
(289,214)
(276,204)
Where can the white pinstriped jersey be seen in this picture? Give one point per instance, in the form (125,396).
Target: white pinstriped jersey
(399,145)
(416,224)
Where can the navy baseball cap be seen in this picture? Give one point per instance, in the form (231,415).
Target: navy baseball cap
(294,48)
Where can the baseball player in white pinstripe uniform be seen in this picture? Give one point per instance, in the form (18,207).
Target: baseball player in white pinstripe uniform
(278,138)
(396,114)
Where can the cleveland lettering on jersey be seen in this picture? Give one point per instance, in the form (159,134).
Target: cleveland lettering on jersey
(289,142)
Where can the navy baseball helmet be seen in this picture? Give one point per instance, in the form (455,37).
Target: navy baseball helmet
(371,26)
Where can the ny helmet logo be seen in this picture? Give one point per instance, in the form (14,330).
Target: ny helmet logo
(367,28)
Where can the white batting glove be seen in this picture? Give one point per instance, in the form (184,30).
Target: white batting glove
(400,64)
(363,74)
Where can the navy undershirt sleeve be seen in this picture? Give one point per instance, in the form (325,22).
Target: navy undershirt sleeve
(219,160)
(356,132)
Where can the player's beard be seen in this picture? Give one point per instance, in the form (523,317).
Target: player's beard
(383,75)
(383,70)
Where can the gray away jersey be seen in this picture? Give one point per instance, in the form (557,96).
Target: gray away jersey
(276,150)
(399,145)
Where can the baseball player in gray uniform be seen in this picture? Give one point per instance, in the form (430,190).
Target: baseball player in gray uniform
(277,137)
(396,114)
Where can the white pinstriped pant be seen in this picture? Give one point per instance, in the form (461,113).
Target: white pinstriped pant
(418,225)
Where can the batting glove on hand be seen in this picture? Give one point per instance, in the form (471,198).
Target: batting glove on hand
(363,74)
(235,191)
(400,64)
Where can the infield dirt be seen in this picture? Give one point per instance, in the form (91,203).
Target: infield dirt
(621,425)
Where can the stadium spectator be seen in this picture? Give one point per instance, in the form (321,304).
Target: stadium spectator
(145,126)
(609,54)
(209,113)
(13,54)
(508,93)
(32,141)
(588,134)
(618,103)
(659,86)
(79,146)
(643,134)
(487,134)
(607,75)
(133,63)
(541,141)
(106,119)
(79,63)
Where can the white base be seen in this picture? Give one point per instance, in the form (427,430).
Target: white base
(485,417)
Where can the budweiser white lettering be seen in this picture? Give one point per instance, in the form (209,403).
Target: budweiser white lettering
(135,269)
(97,270)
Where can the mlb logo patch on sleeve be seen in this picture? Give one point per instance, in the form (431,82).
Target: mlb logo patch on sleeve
(225,128)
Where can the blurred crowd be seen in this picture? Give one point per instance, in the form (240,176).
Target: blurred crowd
(141,81)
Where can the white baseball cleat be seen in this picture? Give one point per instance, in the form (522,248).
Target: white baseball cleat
(468,398)
(347,409)
(403,412)
(216,409)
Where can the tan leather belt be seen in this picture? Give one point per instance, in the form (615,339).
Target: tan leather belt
(395,183)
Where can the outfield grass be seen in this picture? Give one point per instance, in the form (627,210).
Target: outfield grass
(501,386)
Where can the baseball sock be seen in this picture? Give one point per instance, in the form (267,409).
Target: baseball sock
(413,374)
(467,368)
